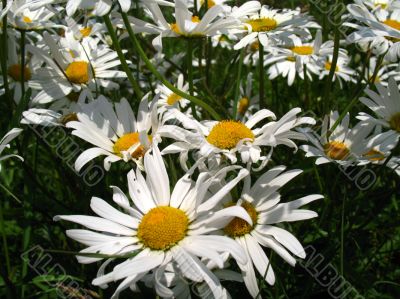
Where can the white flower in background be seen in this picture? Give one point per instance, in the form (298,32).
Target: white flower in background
(116,132)
(30,15)
(261,202)
(248,103)
(272,26)
(72,66)
(227,138)
(15,71)
(342,70)
(380,28)
(96,7)
(162,227)
(386,70)
(186,24)
(380,4)
(345,146)
(4,143)
(386,105)
(224,41)
(170,100)
(92,28)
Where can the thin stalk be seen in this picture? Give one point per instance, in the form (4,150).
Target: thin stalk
(342,239)
(237,87)
(4,57)
(10,193)
(22,64)
(4,239)
(355,99)
(121,56)
(208,60)
(189,62)
(89,254)
(306,88)
(261,75)
(160,77)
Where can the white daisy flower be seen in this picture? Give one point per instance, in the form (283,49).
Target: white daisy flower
(248,104)
(91,28)
(380,4)
(272,26)
(380,28)
(186,24)
(73,67)
(227,138)
(342,71)
(30,15)
(5,9)
(96,7)
(261,202)
(170,100)
(162,227)
(116,132)
(224,41)
(4,143)
(344,146)
(386,105)
(386,70)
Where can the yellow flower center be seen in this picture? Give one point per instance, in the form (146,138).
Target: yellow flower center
(395,122)
(303,50)
(175,27)
(255,46)
(86,31)
(227,133)
(262,24)
(210,3)
(26,19)
(243,105)
(67,118)
(14,71)
(78,72)
(162,228)
(374,155)
(125,142)
(239,227)
(291,58)
(392,23)
(173,98)
(328,66)
(336,150)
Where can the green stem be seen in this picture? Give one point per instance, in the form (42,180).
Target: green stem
(261,75)
(4,238)
(10,193)
(4,57)
(189,62)
(160,77)
(121,56)
(306,88)
(22,64)
(342,239)
(332,70)
(237,87)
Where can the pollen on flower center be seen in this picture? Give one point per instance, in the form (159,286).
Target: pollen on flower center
(392,23)
(262,24)
(86,31)
(210,3)
(303,50)
(328,66)
(239,227)
(374,155)
(26,19)
(78,72)
(163,227)
(243,105)
(14,71)
(173,98)
(227,133)
(395,122)
(125,142)
(336,150)
(175,27)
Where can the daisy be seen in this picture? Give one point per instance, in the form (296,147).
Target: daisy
(4,143)
(227,138)
(97,8)
(90,29)
(342,71)
(344,146)
(115,132)
(386,70)
(248,103)
(170,100)
(162,227)
(271,26)
(72,66)
(381,29)
(186,24)
(386,105)
(261,202)
(380,4)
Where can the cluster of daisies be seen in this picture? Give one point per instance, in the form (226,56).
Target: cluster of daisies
(65,67)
